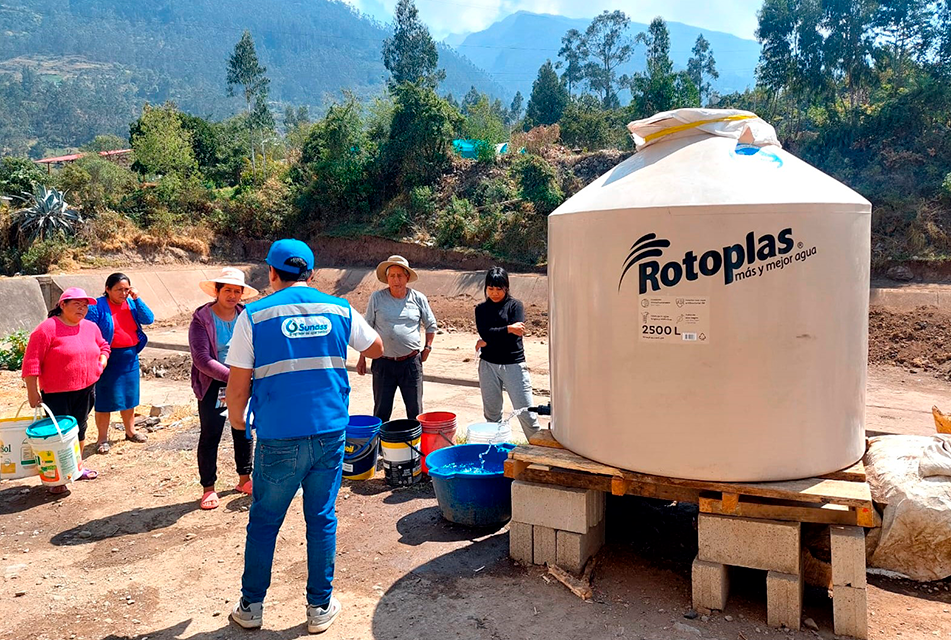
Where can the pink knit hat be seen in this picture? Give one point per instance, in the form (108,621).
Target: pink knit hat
(75,293)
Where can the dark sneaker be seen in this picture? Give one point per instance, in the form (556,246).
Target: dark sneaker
(249,615)
(319,619)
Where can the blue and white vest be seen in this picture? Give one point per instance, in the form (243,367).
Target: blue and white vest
(300,387)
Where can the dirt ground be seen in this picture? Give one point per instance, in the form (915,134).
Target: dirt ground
(917,340)
(130,555)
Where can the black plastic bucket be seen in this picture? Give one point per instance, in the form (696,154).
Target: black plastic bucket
(402,457)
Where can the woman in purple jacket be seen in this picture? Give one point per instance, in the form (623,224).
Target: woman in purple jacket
(209,337)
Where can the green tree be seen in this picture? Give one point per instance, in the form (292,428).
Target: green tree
(469,100)
(482,122)
(296,124)
(19,176)
(245,71)
(338,156)
(410,54)
(205,141)
(538,183)
(573,54)
(792,57)
(515,109)
(294,118)
(231,154)
(263,122)
(418,147)
(943,30)
(658,88)
(906,30)
(548,100)
(585,124)
(702,65)
(606,42)
(849,45)
(162,146)
(97,183)
(107,142)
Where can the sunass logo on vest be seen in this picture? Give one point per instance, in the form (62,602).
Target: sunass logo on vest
(311,327)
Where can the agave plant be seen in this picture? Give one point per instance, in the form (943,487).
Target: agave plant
(48,214)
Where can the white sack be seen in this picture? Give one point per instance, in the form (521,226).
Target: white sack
(743,126)
(912,475)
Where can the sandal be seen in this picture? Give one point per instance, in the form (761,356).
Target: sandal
(87,474)
(137,437)
(59,490)
(103,447)
(244,488)
(209,500)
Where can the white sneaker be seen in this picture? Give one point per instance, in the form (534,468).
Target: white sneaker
(249,616)
(319,619)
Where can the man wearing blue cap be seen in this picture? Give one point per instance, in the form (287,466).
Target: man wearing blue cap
(293,344)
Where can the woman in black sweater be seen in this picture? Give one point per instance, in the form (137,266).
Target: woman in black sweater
(500,321)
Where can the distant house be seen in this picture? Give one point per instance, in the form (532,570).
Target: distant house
(121,157)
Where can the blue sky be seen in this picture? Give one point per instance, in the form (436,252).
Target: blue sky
(461,16)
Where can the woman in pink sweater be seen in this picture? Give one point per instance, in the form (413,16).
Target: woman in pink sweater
(64,358)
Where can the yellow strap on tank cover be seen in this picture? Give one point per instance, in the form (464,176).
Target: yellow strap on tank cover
(690,125)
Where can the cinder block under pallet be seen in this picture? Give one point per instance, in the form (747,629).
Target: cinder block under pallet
(841,499)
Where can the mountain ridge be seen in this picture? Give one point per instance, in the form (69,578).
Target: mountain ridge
(512,49)
(313,49)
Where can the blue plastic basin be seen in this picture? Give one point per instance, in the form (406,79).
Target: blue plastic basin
(468,497)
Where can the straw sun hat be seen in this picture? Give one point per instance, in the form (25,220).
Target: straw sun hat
(398,261)
(229,275)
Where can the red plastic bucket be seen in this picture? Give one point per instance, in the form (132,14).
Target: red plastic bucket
(439,430)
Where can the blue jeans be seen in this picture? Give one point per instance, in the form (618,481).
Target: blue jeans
(313,463)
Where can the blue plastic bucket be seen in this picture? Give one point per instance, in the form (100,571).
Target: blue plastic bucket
(470,486)
(360,452)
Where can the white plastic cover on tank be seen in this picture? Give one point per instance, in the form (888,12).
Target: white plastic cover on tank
(709,307)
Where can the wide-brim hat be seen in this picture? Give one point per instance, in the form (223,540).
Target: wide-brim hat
(229,275)
(75,293)
(398,261)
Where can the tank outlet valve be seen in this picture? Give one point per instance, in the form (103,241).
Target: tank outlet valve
(542,409)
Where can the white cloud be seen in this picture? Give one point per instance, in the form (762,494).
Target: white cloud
(453,16)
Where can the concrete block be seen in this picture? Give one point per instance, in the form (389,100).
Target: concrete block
(783,600)
(521,545)
(848,557)
(748,542)
(544,541)
(572,550)
(711,585)
(22,305)
(850,612)
(561,508)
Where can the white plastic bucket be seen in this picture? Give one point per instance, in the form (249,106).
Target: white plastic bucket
(488,433)
(57,450)
(16,455)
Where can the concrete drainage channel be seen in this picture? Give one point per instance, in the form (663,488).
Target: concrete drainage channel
(462,382)
(172,293)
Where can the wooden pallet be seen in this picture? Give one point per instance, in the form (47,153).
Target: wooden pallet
(841,498)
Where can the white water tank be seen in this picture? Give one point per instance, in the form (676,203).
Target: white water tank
(709,308)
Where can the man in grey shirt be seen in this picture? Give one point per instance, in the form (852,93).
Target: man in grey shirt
(397,313)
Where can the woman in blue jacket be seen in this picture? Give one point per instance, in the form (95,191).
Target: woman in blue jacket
(120,314)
